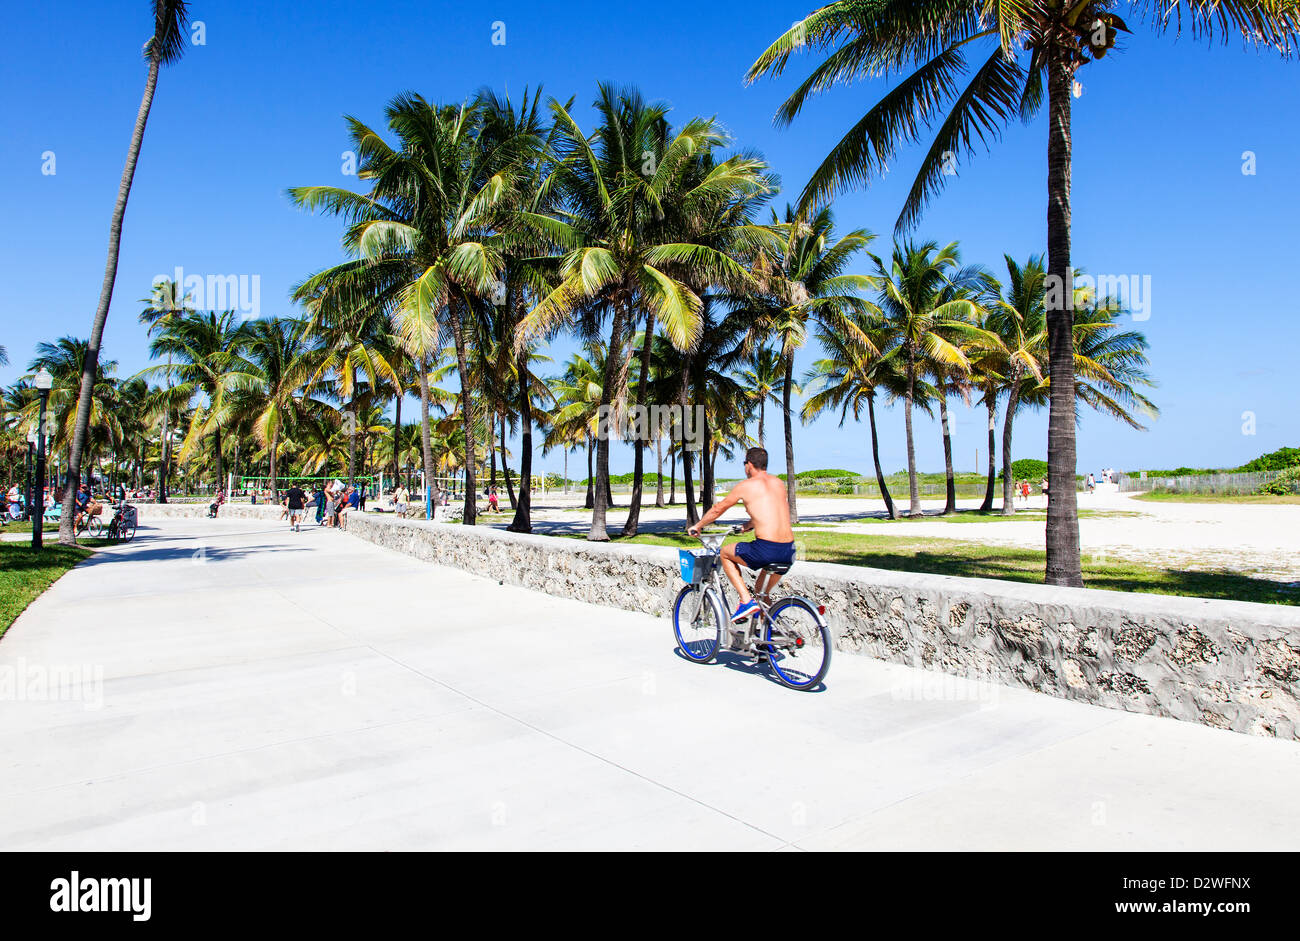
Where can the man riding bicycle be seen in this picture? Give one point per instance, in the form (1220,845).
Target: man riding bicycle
(768,506)
(80,504)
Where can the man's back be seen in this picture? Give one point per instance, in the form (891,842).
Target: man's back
(768,505)
(297,498)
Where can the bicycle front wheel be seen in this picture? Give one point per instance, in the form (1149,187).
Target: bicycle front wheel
(95,527)
(698,623)
(798,644)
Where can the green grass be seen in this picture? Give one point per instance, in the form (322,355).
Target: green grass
(976,560)
(25,526)
(995,516)
(1154,497)
(24,574)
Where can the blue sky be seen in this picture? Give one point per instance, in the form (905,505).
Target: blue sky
(1159,135)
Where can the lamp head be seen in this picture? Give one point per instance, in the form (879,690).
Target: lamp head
(43,380)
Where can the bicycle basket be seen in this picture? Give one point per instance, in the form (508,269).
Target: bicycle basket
(696,565)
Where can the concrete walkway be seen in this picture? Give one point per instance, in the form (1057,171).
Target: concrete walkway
(244,687)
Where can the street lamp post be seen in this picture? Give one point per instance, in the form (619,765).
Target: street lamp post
(43,381)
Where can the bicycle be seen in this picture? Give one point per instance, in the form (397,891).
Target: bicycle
(121,528)
(90,525)
(789,634)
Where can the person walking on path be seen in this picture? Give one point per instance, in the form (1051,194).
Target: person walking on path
(295,504)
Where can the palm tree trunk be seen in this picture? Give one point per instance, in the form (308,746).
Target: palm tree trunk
(950,485)
(275,440)
(659,469)
(991,402)
(762,408)
(505,469)
(638,469)
(352,432)
(1008,482)
(613,367)
(216,446)
(591,477)
(791,482)
(492,450)
(1063,564)
(467,414)
(692,515)
(426,444)
(913,492)
(523,521)
(164,449)
(875,456)
(672,472)
(90,367)
(692,511)
(397,437)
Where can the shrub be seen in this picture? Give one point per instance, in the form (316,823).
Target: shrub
(1286,482)
(1280,459)
(1027,469)
(825,474)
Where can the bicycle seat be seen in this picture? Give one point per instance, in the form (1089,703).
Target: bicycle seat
(777,568)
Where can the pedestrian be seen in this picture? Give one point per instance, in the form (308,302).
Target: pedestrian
(1092,483)
(400,500)
(318,501)
(295,503)
(493,505)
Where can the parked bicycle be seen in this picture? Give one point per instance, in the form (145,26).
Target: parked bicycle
(789,634)
(121,528)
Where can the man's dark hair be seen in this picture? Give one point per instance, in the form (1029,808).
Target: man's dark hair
(757,457)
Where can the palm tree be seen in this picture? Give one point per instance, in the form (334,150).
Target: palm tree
(276,349)
(816,289)
(208,352)
(167,301)
(620,257)
(165,46)
(930,321)
(357,357)
(1019,319)
(763,377)
(424,238)
(63,359)
(847,378)
(973,284)
(1109,363)
(1058,38)
(575,418)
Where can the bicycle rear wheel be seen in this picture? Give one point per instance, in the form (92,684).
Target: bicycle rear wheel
(126,530)
(698,621)
(798,644)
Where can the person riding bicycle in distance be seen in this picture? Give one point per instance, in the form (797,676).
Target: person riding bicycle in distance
(768,506)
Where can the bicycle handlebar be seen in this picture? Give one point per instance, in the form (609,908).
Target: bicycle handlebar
(731,531)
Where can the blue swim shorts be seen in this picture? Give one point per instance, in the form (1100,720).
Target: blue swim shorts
(763,552)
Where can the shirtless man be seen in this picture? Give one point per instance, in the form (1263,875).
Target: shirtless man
(768,507)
